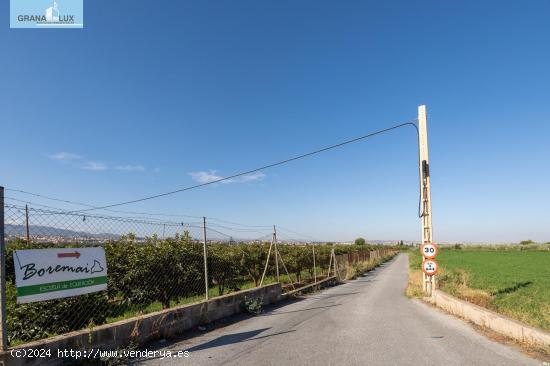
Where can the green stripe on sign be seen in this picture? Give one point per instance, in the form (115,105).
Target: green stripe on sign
(60,286)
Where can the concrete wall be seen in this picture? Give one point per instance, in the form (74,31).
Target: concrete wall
(159,325)
(489,319)
(327,282)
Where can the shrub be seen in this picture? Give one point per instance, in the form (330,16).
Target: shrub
(253,305)
(360,241)
(223,267)
(253,257)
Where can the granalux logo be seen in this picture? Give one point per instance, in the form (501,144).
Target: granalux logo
(46,14)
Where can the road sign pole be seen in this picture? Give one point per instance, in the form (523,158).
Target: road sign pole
(425,192)
(3,329)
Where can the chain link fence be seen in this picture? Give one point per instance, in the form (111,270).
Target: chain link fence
(153,265)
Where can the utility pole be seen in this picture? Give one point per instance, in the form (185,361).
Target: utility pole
(425,193)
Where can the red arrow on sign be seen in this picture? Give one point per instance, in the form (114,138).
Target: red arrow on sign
(74,254)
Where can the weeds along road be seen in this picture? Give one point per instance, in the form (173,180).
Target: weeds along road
(368,321)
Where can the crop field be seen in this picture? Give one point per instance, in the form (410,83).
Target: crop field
(515,283)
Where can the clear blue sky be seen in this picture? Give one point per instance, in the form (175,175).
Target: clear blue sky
(150,94)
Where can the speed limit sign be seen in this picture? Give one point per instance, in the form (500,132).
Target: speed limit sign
(430,267)
(429,250)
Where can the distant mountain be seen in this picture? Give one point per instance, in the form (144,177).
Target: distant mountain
(37,230)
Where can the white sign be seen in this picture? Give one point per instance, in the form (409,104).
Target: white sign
(45,274)
(430,267)
(429,250)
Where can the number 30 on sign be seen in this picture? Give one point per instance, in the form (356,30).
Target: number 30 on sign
(430,267)
(429,250)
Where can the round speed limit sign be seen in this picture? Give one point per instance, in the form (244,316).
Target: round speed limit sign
(429,250)
(430,267)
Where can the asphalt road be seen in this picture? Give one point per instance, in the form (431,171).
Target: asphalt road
(368,321)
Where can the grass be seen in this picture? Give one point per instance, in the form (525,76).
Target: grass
(515,283)
(360,268)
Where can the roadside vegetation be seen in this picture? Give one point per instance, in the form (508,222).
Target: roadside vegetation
(363,267)
(158,274)
(513,280)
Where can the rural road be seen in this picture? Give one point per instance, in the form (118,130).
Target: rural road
(368,321)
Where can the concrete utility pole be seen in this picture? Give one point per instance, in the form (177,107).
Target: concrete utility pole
(425,193)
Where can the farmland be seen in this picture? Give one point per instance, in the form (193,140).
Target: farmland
(508,280)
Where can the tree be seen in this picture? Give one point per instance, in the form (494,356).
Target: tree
(360,241)
(253,257)
(156,270)
(297,259)
(223,266)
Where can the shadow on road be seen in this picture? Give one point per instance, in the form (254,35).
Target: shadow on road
(224,340)
(324,297)
(297,311)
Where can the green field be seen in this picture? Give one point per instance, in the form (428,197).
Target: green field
(512,282)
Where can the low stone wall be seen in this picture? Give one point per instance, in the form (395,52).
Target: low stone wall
(327,282)
(489,319)
(163,324)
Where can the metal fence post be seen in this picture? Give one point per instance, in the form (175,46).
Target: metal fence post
(314,269)
(27,225)
(3,329)
(276,254)
(205,257)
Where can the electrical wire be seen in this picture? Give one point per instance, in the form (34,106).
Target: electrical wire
(279,227)
(236,223)
(107,207)
(95,207)
(331,147)
(118,211)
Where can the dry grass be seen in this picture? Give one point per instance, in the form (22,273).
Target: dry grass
(457,283)
(414,285)
(478,297)
(360,268)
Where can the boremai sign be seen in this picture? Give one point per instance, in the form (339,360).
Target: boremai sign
(45,274)
(46,14)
